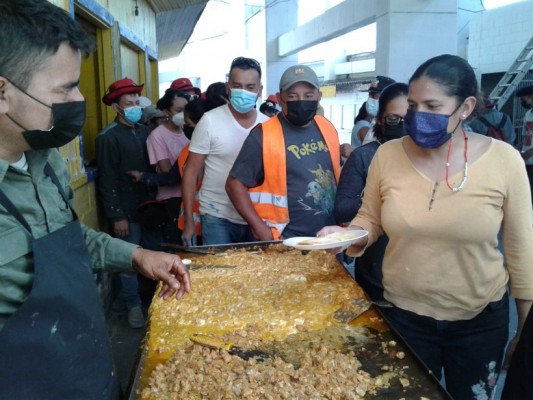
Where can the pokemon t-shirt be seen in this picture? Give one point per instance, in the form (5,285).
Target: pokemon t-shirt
(310,179)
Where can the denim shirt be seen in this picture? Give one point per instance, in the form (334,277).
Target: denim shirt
(39,201)
(349,196)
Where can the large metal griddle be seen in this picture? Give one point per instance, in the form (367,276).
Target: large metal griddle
(423,382)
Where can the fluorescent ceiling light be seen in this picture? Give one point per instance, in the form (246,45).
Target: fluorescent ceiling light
(491,4)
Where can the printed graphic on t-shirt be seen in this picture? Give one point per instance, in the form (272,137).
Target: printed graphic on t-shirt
(320,192)
(307,149)
(311,182)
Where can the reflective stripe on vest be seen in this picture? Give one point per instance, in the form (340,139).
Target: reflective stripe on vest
(182,160)
(270,199)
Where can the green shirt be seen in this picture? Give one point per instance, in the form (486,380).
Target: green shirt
(38,200)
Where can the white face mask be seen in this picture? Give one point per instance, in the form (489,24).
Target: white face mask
(179,119)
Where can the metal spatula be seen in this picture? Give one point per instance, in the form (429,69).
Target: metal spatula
(216,343)
(193,267)
(354,309)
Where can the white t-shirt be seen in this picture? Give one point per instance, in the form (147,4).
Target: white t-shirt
(369,137)
(356,142)
(220,137)
(163,144)
(22,163)
(527,134)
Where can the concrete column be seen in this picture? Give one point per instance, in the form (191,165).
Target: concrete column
(411,31)
(280,18)
(333,55)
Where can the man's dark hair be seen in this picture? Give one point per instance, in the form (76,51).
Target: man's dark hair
(245,64)
(525,91)
(195,110)
(30,32)
(215,95)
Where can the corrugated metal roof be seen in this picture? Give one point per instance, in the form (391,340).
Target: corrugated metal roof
(175,22)
(174,28)
(160,6)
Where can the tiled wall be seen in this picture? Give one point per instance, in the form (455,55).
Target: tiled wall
(498,36)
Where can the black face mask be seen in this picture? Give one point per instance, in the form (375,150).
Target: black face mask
(393,131)
(67,121)
(188,130)
(301,112)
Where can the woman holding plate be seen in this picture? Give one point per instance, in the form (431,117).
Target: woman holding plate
(441,195)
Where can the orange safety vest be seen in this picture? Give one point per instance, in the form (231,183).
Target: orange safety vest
(270,199)
(182,160)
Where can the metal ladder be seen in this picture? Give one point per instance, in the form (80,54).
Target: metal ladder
(512,78)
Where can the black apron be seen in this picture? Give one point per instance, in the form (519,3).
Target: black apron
(56,346)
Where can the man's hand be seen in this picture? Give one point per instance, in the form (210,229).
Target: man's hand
(166,268)
(346,150)
(134,175)
(262,232)
(188,235)
(121,228)
(526,155)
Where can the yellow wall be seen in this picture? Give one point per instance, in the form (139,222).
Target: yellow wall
(60,3)
(143,25)
(130,63)
(89,87)
(116,57)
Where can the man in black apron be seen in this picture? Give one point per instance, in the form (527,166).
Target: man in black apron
(53,338)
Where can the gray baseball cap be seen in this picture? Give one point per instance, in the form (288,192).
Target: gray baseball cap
(151,112)
(298,73)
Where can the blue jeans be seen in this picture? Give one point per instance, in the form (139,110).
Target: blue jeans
(221,231)
(129,286)
(470,351)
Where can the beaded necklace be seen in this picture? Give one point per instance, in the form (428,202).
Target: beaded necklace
(465,173)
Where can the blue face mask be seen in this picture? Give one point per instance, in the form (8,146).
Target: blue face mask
(372,106)
(428,130)
(133,114)
(242,100)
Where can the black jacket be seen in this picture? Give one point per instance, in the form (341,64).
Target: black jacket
(119,149)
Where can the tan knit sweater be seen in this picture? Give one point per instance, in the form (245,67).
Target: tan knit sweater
(442,258)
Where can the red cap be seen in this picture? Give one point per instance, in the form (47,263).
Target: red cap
(184,84)
(272,98)
(120,87)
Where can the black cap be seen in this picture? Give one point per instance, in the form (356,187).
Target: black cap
(524,91)
(268,106)
(379,84)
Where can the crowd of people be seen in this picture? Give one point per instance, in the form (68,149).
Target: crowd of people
(212,168)
(414,172)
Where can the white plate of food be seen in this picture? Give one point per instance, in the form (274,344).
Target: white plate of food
(341,239)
